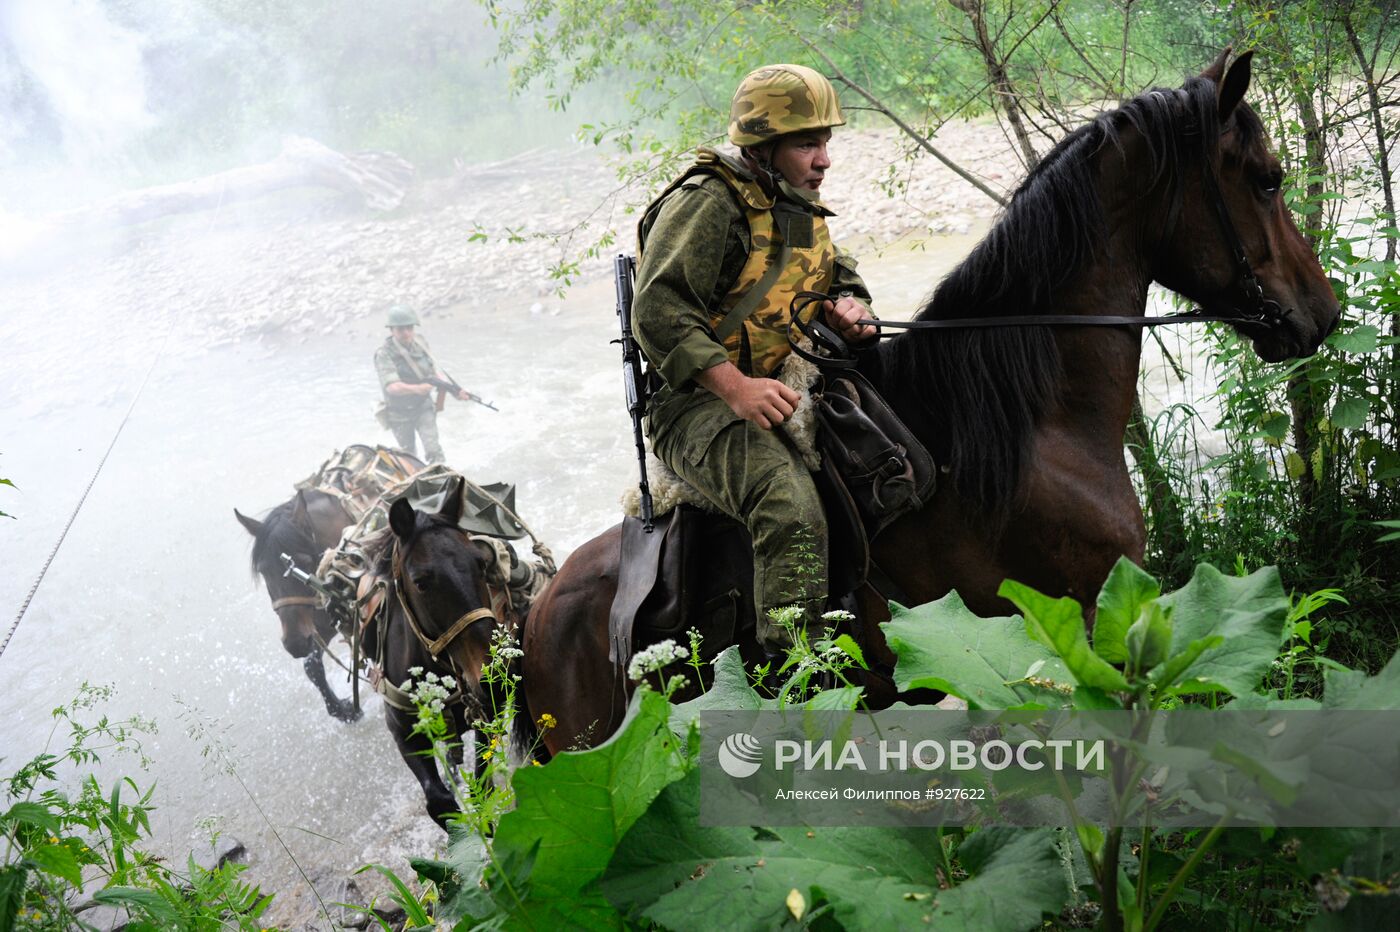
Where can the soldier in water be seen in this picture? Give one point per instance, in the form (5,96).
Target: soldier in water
(404,366)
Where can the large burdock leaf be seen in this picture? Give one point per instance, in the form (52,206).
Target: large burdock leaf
(729,692)
(1059,623)
(573,812)
(984,661)
(1128,588)
(681,876)
(1248,613)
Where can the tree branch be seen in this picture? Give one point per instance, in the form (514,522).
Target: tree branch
(908,130)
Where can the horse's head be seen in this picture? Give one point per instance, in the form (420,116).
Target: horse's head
(302,528)
(1244,206)
(442,573)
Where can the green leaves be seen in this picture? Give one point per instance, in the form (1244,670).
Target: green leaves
(729,691)
(1363,338)
(1217,632)
(1128,588)
(12,878)
(669,871)
(571,814)
(1059,624)
(34,815)
(1247,614)
(984,661)
(140,901)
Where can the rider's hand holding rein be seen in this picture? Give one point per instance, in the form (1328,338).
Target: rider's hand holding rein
(843,314)
(766,402)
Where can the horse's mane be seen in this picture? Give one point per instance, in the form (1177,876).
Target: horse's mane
(979,393)
(278,535)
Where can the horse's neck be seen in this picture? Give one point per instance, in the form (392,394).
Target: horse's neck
(328,519)
(1100,364)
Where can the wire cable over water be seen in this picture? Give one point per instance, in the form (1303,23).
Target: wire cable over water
(24,606)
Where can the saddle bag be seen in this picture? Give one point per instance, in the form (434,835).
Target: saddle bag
(885,468)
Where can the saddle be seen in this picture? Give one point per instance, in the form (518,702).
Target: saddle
(695,569)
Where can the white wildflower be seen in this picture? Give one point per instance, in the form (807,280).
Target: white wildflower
(653,658)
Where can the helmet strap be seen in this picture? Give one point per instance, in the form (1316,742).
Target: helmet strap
(760,157)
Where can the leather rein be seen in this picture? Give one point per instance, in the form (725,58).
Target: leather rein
(1258,309)
(436,645)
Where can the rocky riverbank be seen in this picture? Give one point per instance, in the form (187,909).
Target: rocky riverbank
(302,263)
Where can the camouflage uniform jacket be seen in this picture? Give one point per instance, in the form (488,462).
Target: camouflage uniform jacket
(392,366)
(697,242)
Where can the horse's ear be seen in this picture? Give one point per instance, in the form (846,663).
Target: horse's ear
(452,504)
(300,517)
(253,525)
(1233,86)
(401,518)
(1215,71)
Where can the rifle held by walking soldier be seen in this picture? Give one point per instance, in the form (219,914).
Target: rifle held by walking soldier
(450,387)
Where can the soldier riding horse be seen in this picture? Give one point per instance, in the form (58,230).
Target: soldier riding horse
(1176,186)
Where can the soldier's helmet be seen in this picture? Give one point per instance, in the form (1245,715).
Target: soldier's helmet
(400,316)
(778,99)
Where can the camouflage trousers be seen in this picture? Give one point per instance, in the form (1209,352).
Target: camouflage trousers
(424,425)
(756,477)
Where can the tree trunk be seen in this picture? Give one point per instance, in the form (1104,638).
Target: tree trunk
(1302,402)
(1003,91)
(378,180)
(1166,525)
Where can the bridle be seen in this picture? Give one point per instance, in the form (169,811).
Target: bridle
(1259,310)
(436,646)
(311,601)
(287,601)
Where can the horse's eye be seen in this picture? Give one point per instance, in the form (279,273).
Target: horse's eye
(423,582)
(1270,183)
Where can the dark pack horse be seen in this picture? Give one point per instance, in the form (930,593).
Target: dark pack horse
(304,528)
(1175,186)
(437,613)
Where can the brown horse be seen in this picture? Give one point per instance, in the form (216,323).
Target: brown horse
(438,617)
(304,528)
(1030,420)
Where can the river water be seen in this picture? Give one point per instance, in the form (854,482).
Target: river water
(151,590)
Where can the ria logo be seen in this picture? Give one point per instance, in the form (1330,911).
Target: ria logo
(740,755)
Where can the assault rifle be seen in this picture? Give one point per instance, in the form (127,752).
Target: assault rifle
(341,606)
(334,601)
(449,386)
(634,377)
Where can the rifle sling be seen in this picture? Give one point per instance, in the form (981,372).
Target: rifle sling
(755,295)
(412,365)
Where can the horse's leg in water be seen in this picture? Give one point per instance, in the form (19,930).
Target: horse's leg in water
(416,753)
(315,667)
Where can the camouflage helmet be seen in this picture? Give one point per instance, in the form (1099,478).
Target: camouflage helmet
(778,99)
(400,316)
